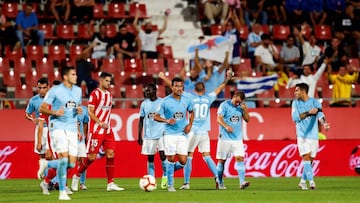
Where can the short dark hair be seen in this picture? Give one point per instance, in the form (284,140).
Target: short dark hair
(151,86)
(105,74)
(56,82)
(240,94)
(265,36)
(199,86)
(303,86)
(65,70)
(43,80)
(122,26)
(176,79)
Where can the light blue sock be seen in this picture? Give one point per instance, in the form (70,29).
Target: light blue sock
(187,170)
(308,170)
(151,168)
(62,172)
(303,175)
(178,166)
(240,167)
(170,173)
(55,179)
(83,177)
(220,170)
(164,167)
(211,164)
(53,163)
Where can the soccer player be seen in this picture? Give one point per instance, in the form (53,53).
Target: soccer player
(65,100)
(153,132)
(199,136)
(305,112)
(174,109)
(100,133)
(229,116)
(83,120)
(33,108)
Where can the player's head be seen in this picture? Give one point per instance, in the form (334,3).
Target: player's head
(150,91)
(238,98)
(123,29)
(177,86)
(343,69)
(200,88)
(105,80)
(301,91)
(68,74)
(42,86)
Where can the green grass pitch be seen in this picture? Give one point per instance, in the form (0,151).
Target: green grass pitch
(329,189)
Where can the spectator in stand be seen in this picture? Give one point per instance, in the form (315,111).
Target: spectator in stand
(342,85)
(27,26)
(317,15)
(149,37)
(335,54)
(255,12)
(266,54)
(290,56)
(59,8)
(214,9)
(253,41)
(294,12)
(7,33)
(4,103)
(277,8)
(311,52)
(334,10)
(232,31)
(101,44)
(82,10)
(126,45)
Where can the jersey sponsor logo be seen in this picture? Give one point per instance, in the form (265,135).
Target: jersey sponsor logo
(151,115)
(70,104)
(106,108)
(178,115)
(234,119)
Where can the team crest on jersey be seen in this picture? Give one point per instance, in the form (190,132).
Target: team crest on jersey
(235,119)
(178,115)
(70,104)
(151,115)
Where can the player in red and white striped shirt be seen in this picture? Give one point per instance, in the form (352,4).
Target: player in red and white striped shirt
(100,133)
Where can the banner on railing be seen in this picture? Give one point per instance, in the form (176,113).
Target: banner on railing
(265,124)
(263,159)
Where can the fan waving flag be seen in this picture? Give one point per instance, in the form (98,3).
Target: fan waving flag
(213,49)
(251,86)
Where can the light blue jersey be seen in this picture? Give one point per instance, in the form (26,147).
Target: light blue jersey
(152,129)
(34,106)
(232,117)
(212,83)
(189,85)
(69,99)
(201,108)
(308,127)
(177,109)
(83,118)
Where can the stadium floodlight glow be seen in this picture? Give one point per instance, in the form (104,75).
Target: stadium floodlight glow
(133,86)
(144,74)
(1,59)
(122,73)
(22,60)
(44,60)
(188,74)
(353,86)
(23,86)
(321,100)
(253,73)
(167,73)
(330,86)
(11,72)
(277,100)
(34,72)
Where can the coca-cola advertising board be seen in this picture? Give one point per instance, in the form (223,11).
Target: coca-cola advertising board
(263,159)
(265,124)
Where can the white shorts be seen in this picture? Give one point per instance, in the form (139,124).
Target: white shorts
(306,146)
(175,144)
(150,147)
(43,140)
(226,147)
(81,150)
(65,141)
(200,140)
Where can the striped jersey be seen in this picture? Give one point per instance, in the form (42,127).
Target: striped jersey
(102,103)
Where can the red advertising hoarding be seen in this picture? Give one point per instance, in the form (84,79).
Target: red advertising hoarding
(263,159)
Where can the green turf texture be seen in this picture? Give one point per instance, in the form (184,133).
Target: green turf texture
(329,189)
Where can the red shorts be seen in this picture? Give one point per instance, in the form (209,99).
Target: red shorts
(95,141)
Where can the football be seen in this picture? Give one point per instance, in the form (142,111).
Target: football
(147,183)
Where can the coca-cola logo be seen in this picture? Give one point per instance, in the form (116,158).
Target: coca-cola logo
(354,161)
(283,163)
(5,166)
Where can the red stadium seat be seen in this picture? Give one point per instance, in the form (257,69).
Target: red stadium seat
(354,62)
(154,66)
(133,65)
(13,55)
(323,32)
(44,68)
(48,31)
(244,68)
(111,30)
(165,51)
(244,32)
(265,29)
(116,10)
(280,32)
(136,6)
(11,78)
(216,29)
(10,9)
(111,66)
(266,98)
(75,51)
(132,96)
(24,91)
(35,52)
(98,11)
(175,66)
(56,52)
(306,31)
(83,31)
(65,31)
(4,64)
